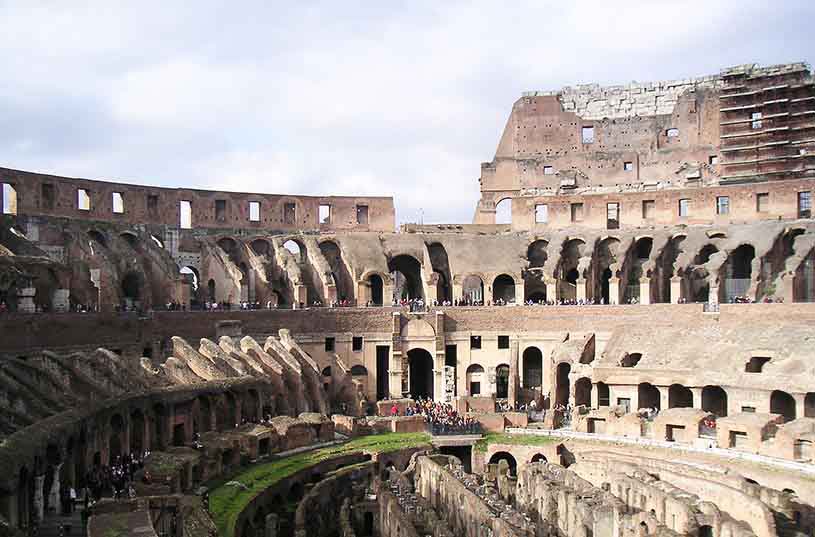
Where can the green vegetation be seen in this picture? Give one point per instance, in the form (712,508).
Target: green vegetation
(512,439)
(227,502)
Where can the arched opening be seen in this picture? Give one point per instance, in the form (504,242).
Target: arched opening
(714,400)
(534,282)
(582,392)
(473,290)
(193,280)
(475,379)
(603,396)
(567,271)
(503,211)
(406,272)
(679,396)
(705,531)
(377,286)
(339,271)
(782,403)
(211,290)
(536,254)
(420,363)
(648,396)
(502,381)
(698,276)
(130,238)
(605,286)
(532,371)
(260,247)
(441,267)
(295,249)
(605,256)
(737,273)
(809,405)
(98,237)
(512,464)
(115,448)
(562,383)
(228,245)
(503,289)
(638,256)
(131,290)
(137,446)
(538,457)
(631,359)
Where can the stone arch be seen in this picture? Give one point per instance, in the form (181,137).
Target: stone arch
(475,379)
(648,396)
(679,396)
(190,276)
(376,285)
(783,403)
(130,238)
(534,276)
(568,268)
(532,368)
(538,457)
(406,272)
(421,375)
(98,237)
(503,289)
(603,263)
(499,456)
(503,211)
(634,268)
(562,386)
(736,275)
(297,248)
(261,247)
(714,400)
(582,392)
(441,267)
(472,290)
(339,270)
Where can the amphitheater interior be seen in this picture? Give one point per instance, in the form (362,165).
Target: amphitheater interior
(621,342)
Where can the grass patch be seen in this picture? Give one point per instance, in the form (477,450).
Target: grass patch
(227,502)
(512,439)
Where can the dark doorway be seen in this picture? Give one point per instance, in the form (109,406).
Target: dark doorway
(714,400)
(376,289)
(463,453)
(532,367)
(502,381)
(383,356)
(562,385)
(505,456)
(421,373)
(451,360)
(782,403)
(178,434)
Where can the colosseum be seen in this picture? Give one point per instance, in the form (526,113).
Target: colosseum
(621,343)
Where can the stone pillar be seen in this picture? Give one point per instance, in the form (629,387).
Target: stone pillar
(551,290)
(25,300)
(614,290)
(595,396)
(60,300)
(787,287)
(519,292)
(458,291)
(676,289)
(300,296)
(697,397)
(799,404)
(514,383)
(580,289)
(663,398)
(363,293)
(39,500)
(713,294)
(645,290)
(387,293)
(54,498)
(330,294)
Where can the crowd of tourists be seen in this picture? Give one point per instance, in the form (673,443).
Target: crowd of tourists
(115,480)
(441,418)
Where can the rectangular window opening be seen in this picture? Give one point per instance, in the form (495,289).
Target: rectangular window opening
(613,216)
(541,214)
(757,123)
(185,214)
(254,211)
(475,342)
(722,205)
(325,214)
(713,160)
(673,132)
(577,212)
(648,209)
(83,200)
(684,208)
(548,170)
(118,203)
(289,214)
(47,192)
(356,343)
(362,214)
(805,204)
(628,166)
(503,342)
(330,344)
(587,135)
(220,210)
(152,204)
(9,199)
(763,202)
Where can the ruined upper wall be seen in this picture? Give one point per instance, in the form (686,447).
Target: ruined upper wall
(748,124)
(49,195)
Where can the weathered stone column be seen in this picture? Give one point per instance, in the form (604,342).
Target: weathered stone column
(676,289)
(580,290)
(645,290)
(363,293)
(54,498)
(713,294)
(614,290)
(387,294)
(300,296)
(458,291)
(514,384)
(595,396)
(787,287)
(551,290)
(39,500)
(697,397)
(663,398)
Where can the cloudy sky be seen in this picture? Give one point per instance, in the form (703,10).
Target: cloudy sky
(370,98)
